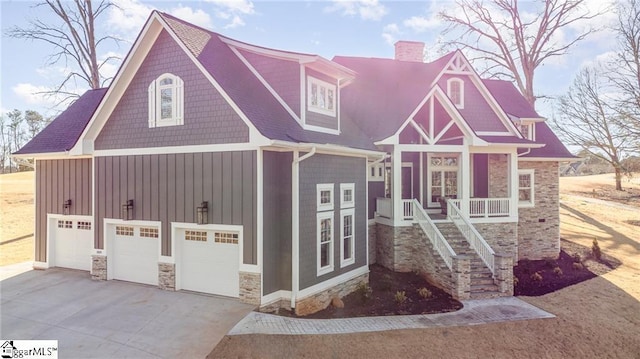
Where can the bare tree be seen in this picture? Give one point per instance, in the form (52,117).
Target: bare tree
(73,36)
(35,122)
(512,44)
(588,121)
(624,71)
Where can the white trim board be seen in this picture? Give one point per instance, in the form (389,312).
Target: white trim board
(317,288)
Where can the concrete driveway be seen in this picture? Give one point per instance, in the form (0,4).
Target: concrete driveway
(113,319)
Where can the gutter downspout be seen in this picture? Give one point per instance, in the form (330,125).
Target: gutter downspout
(295,222)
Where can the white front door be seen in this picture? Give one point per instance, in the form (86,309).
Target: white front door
(73,242)
(135,253)
(442,178)
(209,261)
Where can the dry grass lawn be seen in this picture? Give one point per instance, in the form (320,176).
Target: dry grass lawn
(16,218)
(599,318)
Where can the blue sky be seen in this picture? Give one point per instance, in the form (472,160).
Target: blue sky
(327,28)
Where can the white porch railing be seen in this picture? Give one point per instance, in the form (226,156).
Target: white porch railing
(433,233)
(471,234)
(486,207)
(384,207)
(407,209)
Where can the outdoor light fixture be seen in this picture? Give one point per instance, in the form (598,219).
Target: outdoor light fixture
(127,210)
(203,213)
(66,206)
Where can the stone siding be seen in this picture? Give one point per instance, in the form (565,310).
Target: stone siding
(502,237)
(384,245)
(539,226)
(167,276)
(372,243)
(98,267)
(498,176)
(320,301)
(250,290)
(461,277)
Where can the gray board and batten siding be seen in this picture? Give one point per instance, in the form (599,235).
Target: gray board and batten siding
(276,236)
(322,168)
(208,118)
(56,182)
(169,187)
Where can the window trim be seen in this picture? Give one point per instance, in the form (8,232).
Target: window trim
(347,186)
(320,187)
(531,174)
(155,101)
(328,86)
(343,213)
(329,267)
(450,81)
(530,130)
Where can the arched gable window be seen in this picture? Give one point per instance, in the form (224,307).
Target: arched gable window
(455,91)
(166,101)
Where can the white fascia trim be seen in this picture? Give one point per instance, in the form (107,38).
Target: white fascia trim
(493,133)
(177,149)
(145,41)
(42,156)
(266,84)
(307,292)
(431,148)
(493,149)
(275,297)
(532,119)
(328,149)
(547,159)
(320,129)
(285,55)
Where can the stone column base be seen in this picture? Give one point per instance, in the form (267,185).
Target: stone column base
(98,267)
(167,276)
(250,288)
(320,301)
(504,273)
(461,272)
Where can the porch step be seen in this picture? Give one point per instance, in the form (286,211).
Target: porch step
(483,288)
(485,295)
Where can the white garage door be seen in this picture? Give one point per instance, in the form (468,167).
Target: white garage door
(209,261)
(135,254)
(73,244)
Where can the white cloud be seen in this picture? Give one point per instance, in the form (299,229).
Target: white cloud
(421,23)
(196,17)
(34,95)
(127,17)
(389,33)
(366,9)
(235,6)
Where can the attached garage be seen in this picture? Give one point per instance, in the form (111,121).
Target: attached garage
(134,253)
(208,259)
(71,242)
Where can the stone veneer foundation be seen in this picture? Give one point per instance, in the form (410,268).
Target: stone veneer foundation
(502,237)
(539,226)
(250,288)
(167,276)
(373,238)
(98,267)
(320,301)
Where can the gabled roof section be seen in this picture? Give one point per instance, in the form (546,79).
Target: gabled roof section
(63,132)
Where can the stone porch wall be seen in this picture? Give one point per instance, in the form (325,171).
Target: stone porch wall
(502,237)
(373,238)
(320,301)
(250,288)
(539,226)
(498,176)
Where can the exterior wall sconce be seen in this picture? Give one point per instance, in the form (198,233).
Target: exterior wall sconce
(203,213)
(66,207)
(127,210)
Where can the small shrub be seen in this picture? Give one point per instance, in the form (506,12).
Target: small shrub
(364,292)
(577,258)
(595,250)
(578,266)
(425,293)
(401,297)
(558,271)
(536,277)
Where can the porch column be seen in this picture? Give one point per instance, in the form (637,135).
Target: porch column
(513,183)
(465,187)
(396,185)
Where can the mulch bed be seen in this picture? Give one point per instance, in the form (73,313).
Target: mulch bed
(575,264)
(381,299)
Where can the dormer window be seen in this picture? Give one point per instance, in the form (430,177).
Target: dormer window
(455,91)
(526,129)
(321,96)
(166,101)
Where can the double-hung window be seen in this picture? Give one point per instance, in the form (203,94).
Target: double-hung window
(321,96)
(455,91)
(347,224)
(325,227)
(526,188)
(166,101)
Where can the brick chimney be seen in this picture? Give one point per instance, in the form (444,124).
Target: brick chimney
(410,51)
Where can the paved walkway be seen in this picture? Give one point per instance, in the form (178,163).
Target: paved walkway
(475,312)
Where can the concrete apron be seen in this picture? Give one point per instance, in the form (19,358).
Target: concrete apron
(113,318)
